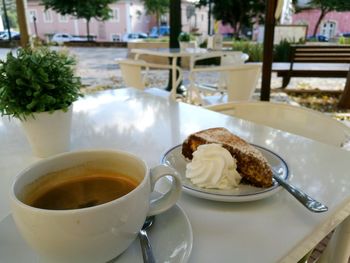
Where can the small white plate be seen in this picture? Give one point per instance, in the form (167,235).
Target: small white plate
(171,239)
(243,193)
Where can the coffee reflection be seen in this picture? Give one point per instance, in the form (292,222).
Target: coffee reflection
(77,187)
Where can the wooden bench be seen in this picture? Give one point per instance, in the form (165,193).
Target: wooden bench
(322,61)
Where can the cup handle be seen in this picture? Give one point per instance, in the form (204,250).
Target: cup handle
(169,198)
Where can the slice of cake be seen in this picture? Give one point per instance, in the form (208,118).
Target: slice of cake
(251,164)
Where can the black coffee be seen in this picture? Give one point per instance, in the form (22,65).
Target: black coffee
(90,187)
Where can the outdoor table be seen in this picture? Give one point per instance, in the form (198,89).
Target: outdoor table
(175,53)
(274,229)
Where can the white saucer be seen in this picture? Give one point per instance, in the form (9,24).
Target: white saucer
(242,193)
(171,239)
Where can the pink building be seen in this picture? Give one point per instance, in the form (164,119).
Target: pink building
(332,25)
(127,17)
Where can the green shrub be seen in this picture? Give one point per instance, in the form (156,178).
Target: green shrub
(282,50)
(344,40)
(253,49)
(184,37)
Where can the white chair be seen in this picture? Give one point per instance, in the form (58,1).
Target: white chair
(241,83)
(298,120)
(231,58)
(227,59)
(135,74)
(234,58)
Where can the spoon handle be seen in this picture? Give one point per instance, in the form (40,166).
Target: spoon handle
(146,248)
(302,197)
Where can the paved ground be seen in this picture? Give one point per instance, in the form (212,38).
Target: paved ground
(97,67)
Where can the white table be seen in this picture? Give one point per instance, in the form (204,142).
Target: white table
(276,229)
(176,53)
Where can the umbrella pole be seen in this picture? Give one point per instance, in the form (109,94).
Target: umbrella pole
(268,49)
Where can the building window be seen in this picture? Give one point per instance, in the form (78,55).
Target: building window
(115,14)
(32,14)
(63,18)
(202,17)
(302,22)
(47,16)
(329,29)
(138,15)
(116,38)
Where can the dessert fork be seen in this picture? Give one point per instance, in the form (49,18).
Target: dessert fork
(306,200)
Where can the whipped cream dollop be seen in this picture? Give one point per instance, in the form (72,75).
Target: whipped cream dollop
(213,166)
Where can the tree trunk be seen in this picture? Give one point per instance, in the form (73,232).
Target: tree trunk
(175,30)
(209,17)
(22,22)
(88,29)
(158,23)
(344,102)
(240,21)
(322,15)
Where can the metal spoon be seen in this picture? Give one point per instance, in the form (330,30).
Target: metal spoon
(306,200)
(147,253)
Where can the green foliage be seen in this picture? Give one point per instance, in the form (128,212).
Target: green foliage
(12,17)
(161,39)
(11,14)
(86,9)
(344,40)
(156,7)
(329,5)
(254,50)
(37,80)
(184,37)
(237,13)
(281,51)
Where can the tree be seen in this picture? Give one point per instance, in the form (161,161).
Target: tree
(157,8)
(325,6)
(237,13)
(11,13)
(86,9)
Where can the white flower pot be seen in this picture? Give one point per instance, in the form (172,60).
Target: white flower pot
(49,133)
(185,45)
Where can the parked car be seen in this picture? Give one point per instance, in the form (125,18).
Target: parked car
(134,36)
(4,35)
(163,31)
(65,37)
(347,34)
(319,38)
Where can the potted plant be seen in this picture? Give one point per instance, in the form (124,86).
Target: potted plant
(184,40)
(38,87)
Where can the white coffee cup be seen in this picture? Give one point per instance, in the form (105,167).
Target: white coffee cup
(93,234)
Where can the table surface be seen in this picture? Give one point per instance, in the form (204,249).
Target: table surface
(177,52)
(275,229)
